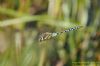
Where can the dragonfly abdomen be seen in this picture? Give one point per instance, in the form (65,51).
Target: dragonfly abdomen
(71,29)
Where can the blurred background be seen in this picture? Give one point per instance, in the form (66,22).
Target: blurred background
(22,21)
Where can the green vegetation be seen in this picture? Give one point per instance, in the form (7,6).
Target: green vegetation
(22,21)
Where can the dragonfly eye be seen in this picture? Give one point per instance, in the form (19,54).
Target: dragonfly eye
(40,38)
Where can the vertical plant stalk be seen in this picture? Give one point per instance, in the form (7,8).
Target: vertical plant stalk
(82,13)
(72,46)
(54,8)
(43,55)
(24,5)
(18,45)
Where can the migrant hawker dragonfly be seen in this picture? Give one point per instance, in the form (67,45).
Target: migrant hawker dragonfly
(48,35)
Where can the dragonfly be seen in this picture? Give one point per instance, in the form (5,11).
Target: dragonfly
(49,35)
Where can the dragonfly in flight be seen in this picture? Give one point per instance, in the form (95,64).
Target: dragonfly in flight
(48,35)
